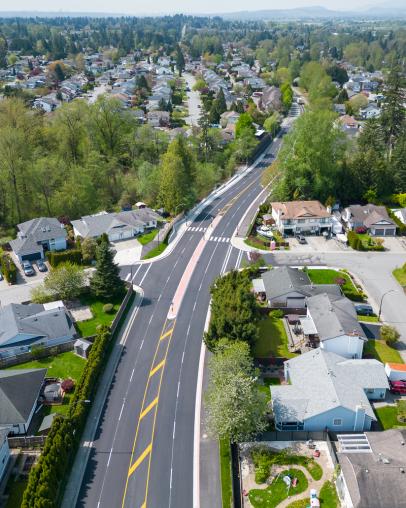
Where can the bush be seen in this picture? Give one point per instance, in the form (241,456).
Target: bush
(67,385)
(9,269)
(108,308)
(361,230)
(73,256)
(276,314)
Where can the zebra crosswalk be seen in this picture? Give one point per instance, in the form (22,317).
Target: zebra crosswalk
(195,228)
(219,239)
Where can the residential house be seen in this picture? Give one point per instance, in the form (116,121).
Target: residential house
(271,99)
(48,103)
(332,323)
(371,111)
(289,288)
(229,118)
(339,108)
(117,226)
(328,391)
(19,393)
(372,469)
(373,218)
(25,326)
(4,452)
(37,236)
(349,125)
(297,217)
(158,118)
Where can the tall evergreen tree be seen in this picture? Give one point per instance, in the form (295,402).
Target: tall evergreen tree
(106,283)
(180,60)
(393,111)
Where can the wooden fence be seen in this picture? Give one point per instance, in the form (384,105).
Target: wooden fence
(26,442)
(40,353)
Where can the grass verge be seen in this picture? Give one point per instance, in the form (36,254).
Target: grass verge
(328,495)
(368,319)
(147,237)
(156,251)
(225,473)
(328,276)
(400,275)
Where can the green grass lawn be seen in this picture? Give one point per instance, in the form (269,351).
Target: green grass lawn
(147,237)
(272,340)
(328,496)
(156,251)
(300,503)
(381,351)
(15,490)
(400,275)
(387,417)
(278,491)
(65,365)
(225,473)
(88,328)
(328,276)
(368,319)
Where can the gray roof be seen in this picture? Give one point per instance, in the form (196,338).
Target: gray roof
(334,316)
(96,225)
(47,422)
(19,390)
(374,480)
(25,324)
(284,280)
(321,381)
(369,214)
(35,231)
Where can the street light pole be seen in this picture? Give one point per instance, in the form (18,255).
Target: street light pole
(382,297)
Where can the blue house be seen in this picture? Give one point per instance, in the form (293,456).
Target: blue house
(37,236)
(329,391)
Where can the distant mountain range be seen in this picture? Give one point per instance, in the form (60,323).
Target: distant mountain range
(379,11)
(394,9)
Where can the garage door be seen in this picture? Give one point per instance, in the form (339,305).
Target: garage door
(31,257)
(379,232)
(390,232)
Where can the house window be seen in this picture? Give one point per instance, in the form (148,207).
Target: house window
(337,422)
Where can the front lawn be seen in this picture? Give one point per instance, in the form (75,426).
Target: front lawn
(368,319)
(300,503)
(328,276)
(63,366)
(147,237)
(278,490)
(272,340)
(388,417)
(400,275)
(156,251)
(328,495)
(225,472)
(89,327)
(379,350)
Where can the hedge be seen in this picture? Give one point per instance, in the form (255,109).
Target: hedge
(46,477)
(9,269)
(354,241)
(56,258)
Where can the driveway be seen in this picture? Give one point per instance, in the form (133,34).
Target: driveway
(193,100)
(317,244)
(127,252)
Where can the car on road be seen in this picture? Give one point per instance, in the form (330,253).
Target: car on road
(364,309)
(28,269)
(301,239)
(42,267)
(1,276)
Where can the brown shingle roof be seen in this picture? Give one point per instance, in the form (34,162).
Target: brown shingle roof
(301,209)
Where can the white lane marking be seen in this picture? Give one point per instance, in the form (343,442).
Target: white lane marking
(132,373)
(145,274)
(108,462)
(128,276)
(136,271)
(121,412)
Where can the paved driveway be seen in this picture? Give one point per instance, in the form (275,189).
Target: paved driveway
(316,244)
(127,252)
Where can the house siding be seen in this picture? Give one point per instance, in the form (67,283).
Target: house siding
(344,345)
(4,456)
(286,300)
(347,417)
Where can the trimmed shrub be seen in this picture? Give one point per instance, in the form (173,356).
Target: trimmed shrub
(276,314)
(8,269)
(108,308)
(73,256)
(67,385)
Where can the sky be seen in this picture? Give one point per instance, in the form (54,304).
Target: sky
(185,6)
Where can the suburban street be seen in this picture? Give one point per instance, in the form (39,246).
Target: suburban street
(193,100)
(142,454)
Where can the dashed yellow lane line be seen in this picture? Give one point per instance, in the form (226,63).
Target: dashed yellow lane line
(148,408)
(155,369)
(144,454)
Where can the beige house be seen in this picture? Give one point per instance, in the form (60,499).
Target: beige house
(298,217)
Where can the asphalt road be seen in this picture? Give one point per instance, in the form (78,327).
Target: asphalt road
(142,454)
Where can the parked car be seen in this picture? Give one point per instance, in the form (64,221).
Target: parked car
(364,309)
(42,267)
(398,387)
(28,269)
(1,276)
(301,239)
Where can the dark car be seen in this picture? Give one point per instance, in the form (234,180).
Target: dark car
(301,239)
(28,269)
(364,309)
(1,276)
(42,267)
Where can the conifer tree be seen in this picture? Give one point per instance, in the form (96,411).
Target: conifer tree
(106,283)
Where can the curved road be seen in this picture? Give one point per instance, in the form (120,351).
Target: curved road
(142,454)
